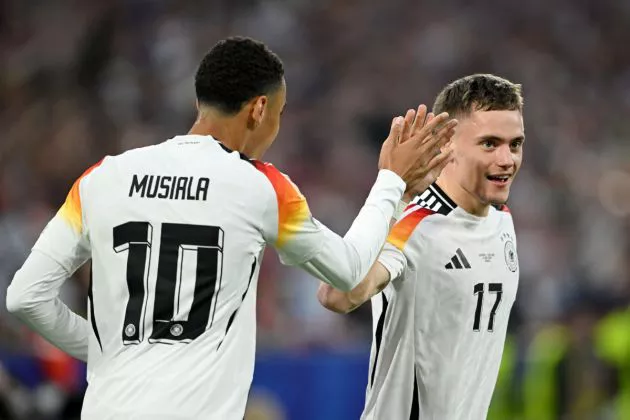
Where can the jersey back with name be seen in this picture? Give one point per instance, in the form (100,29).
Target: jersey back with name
(440,328)
(175,232)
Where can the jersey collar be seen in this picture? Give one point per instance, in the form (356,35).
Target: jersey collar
(435,199)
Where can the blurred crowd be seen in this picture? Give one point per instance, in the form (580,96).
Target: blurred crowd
(80,79)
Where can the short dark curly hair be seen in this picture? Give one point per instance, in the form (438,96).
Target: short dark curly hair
(236,70)
(479,92)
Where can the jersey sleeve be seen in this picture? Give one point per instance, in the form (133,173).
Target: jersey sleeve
(289,225)
(301,240)
(393,260)
(65,238)
(405,236)
(33,295)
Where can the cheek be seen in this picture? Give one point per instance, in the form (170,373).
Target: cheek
(471,165)
(518,159)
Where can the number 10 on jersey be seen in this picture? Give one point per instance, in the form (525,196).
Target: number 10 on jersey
(177,240)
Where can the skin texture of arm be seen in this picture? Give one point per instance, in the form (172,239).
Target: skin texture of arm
(344,302)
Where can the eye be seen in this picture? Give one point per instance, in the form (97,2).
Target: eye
(487,144)
(516,144)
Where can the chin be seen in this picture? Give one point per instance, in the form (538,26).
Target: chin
(497,198)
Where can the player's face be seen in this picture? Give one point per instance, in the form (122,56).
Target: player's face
(267,130)
(488,151)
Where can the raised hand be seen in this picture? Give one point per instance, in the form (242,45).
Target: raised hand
(417,148)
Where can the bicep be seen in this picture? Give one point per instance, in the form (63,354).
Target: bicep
(64,244)
(39,279)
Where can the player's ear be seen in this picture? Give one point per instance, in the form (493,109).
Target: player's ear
(257,111)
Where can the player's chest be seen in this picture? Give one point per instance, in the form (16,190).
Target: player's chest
(460,265)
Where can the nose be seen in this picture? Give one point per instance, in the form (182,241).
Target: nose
(504,156)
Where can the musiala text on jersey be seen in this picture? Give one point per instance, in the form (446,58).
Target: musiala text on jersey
(169,187)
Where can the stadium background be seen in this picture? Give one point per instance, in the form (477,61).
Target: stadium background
(80,79)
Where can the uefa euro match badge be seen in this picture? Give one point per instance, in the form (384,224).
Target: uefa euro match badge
(511,259)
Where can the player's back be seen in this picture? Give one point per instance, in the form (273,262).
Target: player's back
(176,238)
(440,328)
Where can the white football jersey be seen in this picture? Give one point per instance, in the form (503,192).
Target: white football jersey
(439,329)
(176,232)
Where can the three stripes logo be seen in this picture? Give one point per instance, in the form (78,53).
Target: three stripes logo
(458,262)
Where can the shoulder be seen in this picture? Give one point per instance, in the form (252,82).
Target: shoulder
(89,173)
(432,205)
(409,223)
(435,199)
(502,208)
(503,214)
(284,188)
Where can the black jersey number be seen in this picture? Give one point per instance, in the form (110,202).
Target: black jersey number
(495,288)
(177,241)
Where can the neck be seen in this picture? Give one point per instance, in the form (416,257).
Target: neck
(228,129)
(463,198)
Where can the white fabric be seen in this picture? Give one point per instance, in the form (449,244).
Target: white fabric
(37,303)
(427,329)
(181,345)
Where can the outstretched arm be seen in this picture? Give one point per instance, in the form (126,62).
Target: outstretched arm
(389,266)
(411,153)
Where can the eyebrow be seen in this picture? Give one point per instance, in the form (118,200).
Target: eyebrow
(496,138)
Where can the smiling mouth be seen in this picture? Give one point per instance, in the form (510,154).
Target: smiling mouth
(499,179)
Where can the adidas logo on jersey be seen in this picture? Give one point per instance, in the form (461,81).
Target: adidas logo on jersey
(458,262)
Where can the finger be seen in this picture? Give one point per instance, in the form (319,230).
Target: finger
(440,138)
(408,123)
(430,128)
(421,115)
(435,122)
(445,135)
(440,161)
(395,130)
(430,117)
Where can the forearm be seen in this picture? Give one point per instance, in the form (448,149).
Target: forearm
(343,302)
(334,300)
(390,265)
(33,298)
(344,262)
